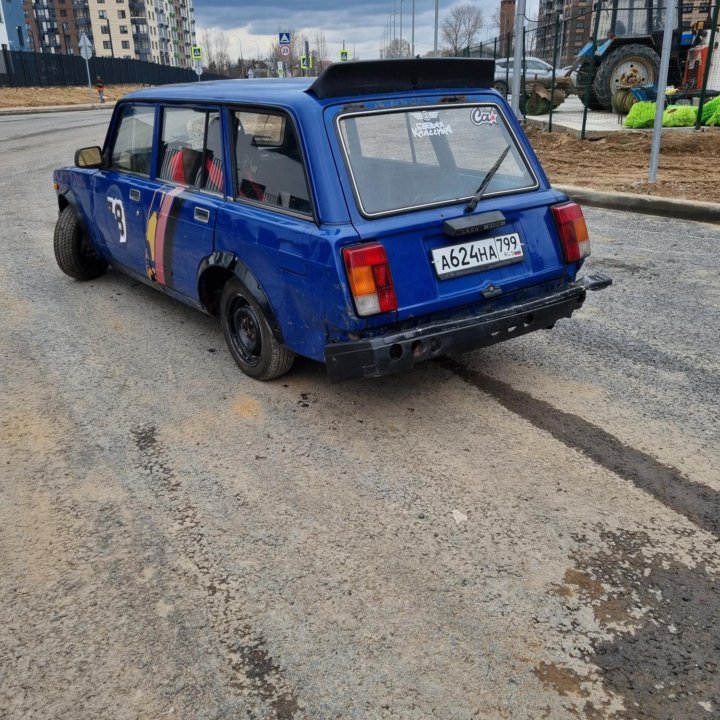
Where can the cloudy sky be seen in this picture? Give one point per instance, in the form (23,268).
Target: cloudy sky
(253,26)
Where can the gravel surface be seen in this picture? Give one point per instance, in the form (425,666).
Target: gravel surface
(526,531)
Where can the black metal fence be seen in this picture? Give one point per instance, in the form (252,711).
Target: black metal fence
(28,69)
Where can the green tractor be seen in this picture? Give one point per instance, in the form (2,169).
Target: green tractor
(628,51)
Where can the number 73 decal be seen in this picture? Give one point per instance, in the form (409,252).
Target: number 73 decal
(116,208)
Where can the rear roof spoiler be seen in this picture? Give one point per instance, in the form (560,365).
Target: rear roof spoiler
(366,77)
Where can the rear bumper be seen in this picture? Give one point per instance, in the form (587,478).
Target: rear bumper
(398,351)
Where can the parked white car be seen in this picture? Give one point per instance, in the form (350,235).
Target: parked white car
(535,69)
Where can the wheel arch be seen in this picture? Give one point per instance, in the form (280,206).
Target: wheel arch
(216,270)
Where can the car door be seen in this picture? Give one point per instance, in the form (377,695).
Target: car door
(122,191)
(189,189)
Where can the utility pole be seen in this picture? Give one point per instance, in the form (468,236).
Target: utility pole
(112,50)
(412,34)
(401,45)
(437,2)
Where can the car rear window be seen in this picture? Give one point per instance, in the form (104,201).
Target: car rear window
(413,158)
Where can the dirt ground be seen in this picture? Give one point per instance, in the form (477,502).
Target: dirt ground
(688,160)
(38,96)
(688,167)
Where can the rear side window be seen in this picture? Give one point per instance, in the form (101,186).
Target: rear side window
(269,166)
(191,149)
(132,150)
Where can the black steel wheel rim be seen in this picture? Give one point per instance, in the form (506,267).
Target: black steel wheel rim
(245,332)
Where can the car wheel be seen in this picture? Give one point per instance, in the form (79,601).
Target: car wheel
(73,253)
(248,335)
(501,87)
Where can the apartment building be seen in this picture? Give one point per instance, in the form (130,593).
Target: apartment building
(161,31)
(13,33)
(574,30)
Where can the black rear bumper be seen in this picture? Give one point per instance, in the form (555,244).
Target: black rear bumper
(397,351)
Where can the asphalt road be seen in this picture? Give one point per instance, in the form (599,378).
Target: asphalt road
(527,531)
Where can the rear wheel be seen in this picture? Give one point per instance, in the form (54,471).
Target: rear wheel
(627,66)
(73,252)
(248,335)
(585,78)
(501,87)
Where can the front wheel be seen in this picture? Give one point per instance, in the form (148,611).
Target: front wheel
(73,252)
(248,335)
(627,66)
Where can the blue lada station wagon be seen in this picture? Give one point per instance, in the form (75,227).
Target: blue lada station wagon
(380,215)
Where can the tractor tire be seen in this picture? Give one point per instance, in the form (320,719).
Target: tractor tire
(585,78)
(536,105)
(634,64)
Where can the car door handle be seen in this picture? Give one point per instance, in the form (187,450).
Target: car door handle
(202,215)
(134,194)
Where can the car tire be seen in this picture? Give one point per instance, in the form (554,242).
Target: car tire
(501,87)
(73,253)
(249,338)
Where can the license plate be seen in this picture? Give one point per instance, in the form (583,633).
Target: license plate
(477,255)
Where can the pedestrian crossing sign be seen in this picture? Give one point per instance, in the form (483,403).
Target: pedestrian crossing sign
(343,56)
(196,52)
(284,38)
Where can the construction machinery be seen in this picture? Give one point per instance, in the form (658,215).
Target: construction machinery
(628,48)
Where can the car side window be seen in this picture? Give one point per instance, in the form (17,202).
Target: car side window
(268,163)
(191,149)
(132,149)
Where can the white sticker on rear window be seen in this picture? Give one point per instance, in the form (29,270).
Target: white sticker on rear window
(483,116)
(428,124)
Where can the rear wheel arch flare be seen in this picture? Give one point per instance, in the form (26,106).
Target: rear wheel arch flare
(213,274)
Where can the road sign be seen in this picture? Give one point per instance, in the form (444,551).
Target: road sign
(196,52)
(198,69)
(343,56)
(86,48)
(284,38)
(285,50)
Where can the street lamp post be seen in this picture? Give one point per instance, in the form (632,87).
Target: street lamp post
(436,28)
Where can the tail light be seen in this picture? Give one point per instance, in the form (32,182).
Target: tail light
(572,231)
(371,282)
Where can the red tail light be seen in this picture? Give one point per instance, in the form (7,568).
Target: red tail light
(572,231)
(370,278)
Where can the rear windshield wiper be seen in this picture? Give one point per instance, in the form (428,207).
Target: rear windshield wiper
(486,181)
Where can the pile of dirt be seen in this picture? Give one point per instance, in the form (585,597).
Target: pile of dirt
(688,167)
(11,97)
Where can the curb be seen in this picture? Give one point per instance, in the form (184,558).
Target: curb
(644,204)
(54,108)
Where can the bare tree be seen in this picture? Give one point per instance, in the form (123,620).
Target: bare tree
(207,41)
(215,45)
(321,50)
(222,56)
(460,26)
(397,48)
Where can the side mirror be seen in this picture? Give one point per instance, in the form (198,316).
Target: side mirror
(90,157)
